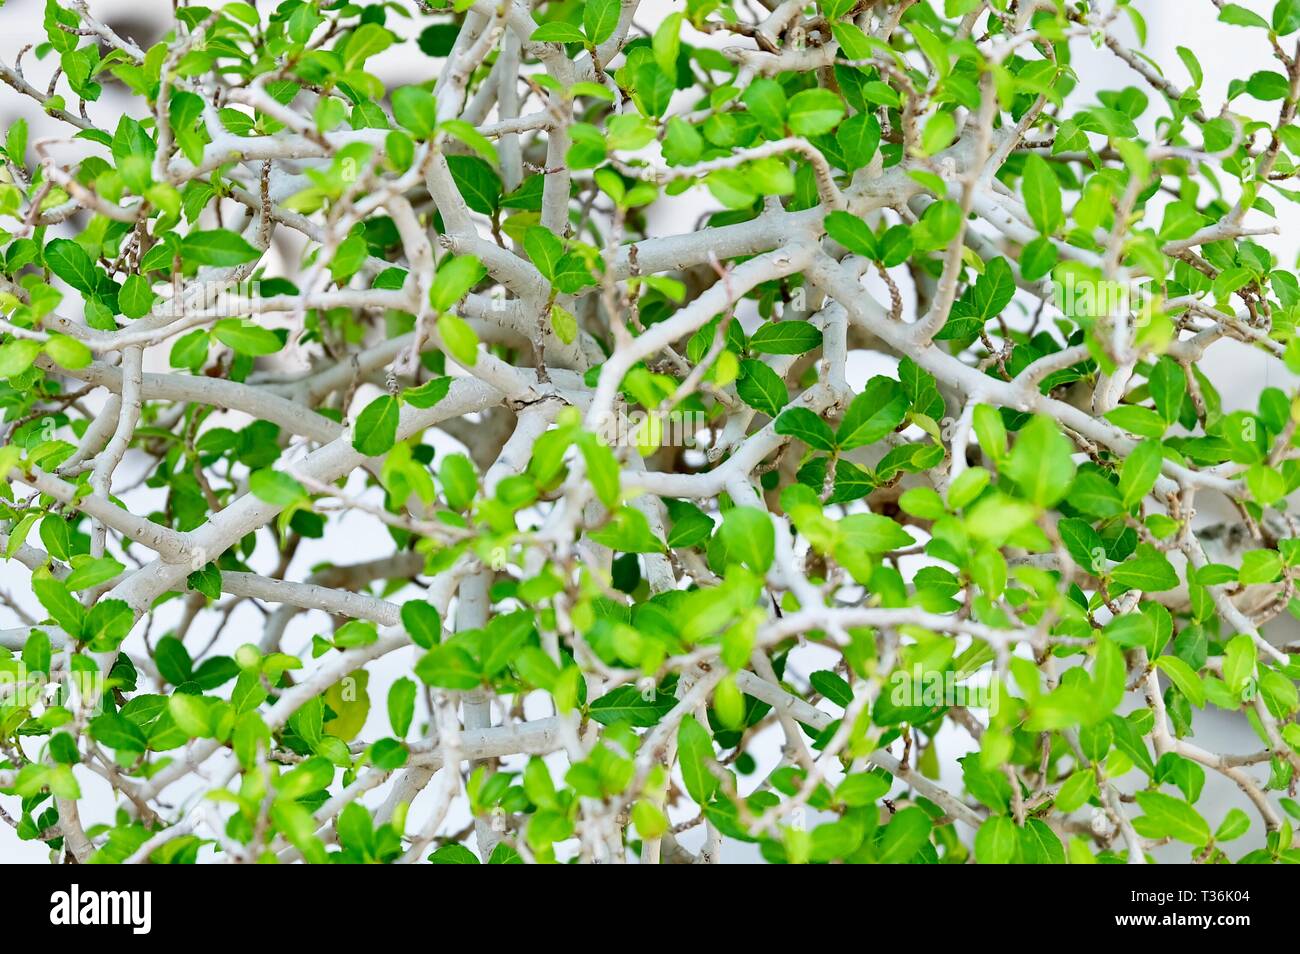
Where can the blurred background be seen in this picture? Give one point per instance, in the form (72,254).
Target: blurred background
(1225,53)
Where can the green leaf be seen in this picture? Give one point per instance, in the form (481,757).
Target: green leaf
(1132,630)
(572,274)
(1084,545)
(73,264)
(749,537)
(37,652)
(467,134)
(667,43)
(873,414)
(766,101)
(477,181)
(459,481)
(369,39)
(310,776)
(1185,678)
(16,142)
(1076,791)
(695,755)
(1093,494)
(994,289)
(1037,259)
(218,247)
(628,704)
(1149,571)
(691,527)
(544,250)
(1260,566)
(428,394)
(118,733)
(133,151)
(275,487)
(1267,85)
(997,841)
(90,572)
(56,534)
(356,829)
(173,660)
(107,624)
(1042,195)
(565,324)
(858,138)
(455,277)
(1238,15)
(853,233)
(416,110)
(504,637)
(990,431)
(375,430)
(247,338)
(938,132)
(206,580)
(1266,485)
(67,352)
(1040,462)
(1171,817)
(1286,17)
(804,425)
(1040,845)
(970,483)
(833,686)
(628,531)
(602,469)
(302,22)
(191,715)
(600,18)
(761,388)
(904,836)
(558,31)
(422,623)
(873,533)
(785,337)
(1139,471)
(459,339)
(649,819)
(1137,420)
(67,613)
(450,667)
(861,788)
(401,706)
(190,351)
(16,356)
(682,143)
(1239,658)
(1235,824)
(136,297)
(814,112)
(1168,388)
(455,854)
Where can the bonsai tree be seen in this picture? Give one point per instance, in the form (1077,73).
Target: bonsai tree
(742,405)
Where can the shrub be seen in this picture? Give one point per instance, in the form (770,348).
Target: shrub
(575,330)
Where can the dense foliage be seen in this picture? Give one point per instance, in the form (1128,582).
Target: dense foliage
(782,421)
